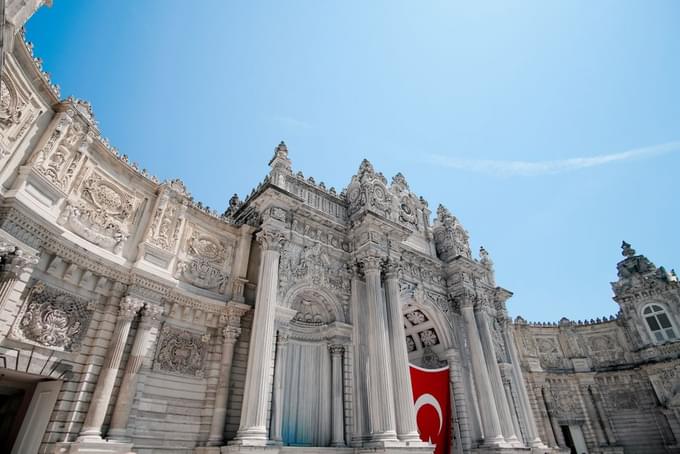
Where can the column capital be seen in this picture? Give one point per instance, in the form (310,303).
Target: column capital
(282,337)
(233,313)
(128,307)
(392,269)
(15,261)
(371,263)
(336,349)
(231,334)
(271,240)
(152,313)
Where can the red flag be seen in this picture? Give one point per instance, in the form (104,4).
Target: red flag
(433,409)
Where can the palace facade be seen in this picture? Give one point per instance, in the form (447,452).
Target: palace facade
(133,319)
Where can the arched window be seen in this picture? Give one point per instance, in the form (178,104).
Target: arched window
(658,323)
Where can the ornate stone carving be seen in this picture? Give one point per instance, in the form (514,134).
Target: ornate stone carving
(430,359)
(61,156)
(11,106)
(336,349)
(271,240)
(103,216)
(549,352)
(231,333)
(428,338)
(180,351)
(451,239)
(54,318)
(128,307)
(314,265)
(207,266)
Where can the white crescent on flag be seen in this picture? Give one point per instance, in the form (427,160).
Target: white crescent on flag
(428,399)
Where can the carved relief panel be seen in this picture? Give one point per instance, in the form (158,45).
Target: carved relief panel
(603,349)
(101,212)
(53,318)
(164,231)
(63,154)
(312,263)
(550,352)
(19,109)
(205,260)
(181,351)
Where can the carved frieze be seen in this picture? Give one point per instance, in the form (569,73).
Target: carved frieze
(53,318)
(181,351)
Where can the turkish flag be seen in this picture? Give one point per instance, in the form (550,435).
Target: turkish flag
(433,409)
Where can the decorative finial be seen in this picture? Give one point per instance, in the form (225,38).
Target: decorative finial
(627,250)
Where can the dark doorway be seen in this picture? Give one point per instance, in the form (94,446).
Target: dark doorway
(15,396)
(568,440)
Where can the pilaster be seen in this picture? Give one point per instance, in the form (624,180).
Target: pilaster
(145,337)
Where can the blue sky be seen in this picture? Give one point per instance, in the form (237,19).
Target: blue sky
(551,129)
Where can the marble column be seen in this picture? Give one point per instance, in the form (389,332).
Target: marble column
(253,428)
(144,339)
(458,398)
(101,397)
(491,425)
(230,335)
(337,401)
(381,397)
(276,433)
(518,378)
(360,428)
(407,428)
(501,400)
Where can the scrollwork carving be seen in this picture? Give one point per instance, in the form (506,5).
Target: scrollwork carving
(181,351)
(54,319)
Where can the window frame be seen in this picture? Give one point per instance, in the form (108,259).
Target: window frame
(662,331)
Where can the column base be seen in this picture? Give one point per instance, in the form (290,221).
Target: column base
(207,450)
(256,436)
(93,447)
(428,449)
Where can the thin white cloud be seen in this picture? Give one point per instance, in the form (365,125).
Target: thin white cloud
(532,168)
(292,122)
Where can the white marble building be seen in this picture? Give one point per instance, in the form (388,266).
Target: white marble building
(132,319)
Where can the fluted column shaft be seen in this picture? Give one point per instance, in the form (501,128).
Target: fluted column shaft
(500,398)
(518,378)
(490,422)
(337,401)
(253,429)
(277,398)
(144,338)
(230,335)
(107,375)
(460,413)
(407,427)
(381,398)
(360,365)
